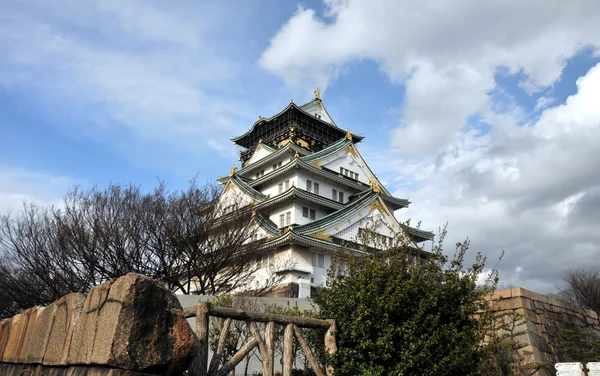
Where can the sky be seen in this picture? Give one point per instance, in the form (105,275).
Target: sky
(485,114)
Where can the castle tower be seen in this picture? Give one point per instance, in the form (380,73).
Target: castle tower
(310,191)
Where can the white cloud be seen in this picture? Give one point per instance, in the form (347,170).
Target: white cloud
(123,74)
(446,52)
(530,190)
(18,186)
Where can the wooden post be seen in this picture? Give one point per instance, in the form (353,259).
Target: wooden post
(310,356)
(218,355)
(202,322)
(270,345)
(330,345)
(288,350)
(262,348)
(241,354)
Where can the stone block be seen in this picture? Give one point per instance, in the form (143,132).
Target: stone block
(4,333)
(84,333)
(18,327)
(133,323)
(43,328)
(501,294)
(511,304)
(29,332)
(68,311)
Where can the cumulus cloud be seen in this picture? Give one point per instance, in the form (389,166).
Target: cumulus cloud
(530,190)
(447,53)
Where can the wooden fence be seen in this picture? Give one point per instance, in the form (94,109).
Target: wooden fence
(266,345)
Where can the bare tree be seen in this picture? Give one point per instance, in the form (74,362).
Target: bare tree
(181,238)
(583,288)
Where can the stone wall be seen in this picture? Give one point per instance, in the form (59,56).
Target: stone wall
(127,326)
(541,317)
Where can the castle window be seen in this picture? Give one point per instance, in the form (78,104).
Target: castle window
(287,185)
(309,185)
(280,188)
(318,259)
(334,194)
(288,218)
(313,214)
(281,220)
(316,188)
(305,212)
(341,197)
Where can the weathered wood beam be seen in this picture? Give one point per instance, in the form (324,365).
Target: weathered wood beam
(310,356)
(202,320)
(262,348)
(288,350)
(330,345)
(268,361)
(241,354)
(218,355)
(238,314)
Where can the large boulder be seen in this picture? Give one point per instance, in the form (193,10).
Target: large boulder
(135,324)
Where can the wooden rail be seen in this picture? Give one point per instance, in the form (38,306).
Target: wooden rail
(266,345)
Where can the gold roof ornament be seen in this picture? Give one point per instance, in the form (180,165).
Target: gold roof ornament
(348,134)
(374,185)
(292,100)
(233,170)
(260,140)
(297,155)
(260,117)
(254,213)
(317,93)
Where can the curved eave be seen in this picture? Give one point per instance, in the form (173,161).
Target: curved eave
(298,163)
(418,235)
(331,149)
(289,106)
(294,193)
(244,187)
(394,202)
(265,225)
(337,216)
(292,237)
(289,148)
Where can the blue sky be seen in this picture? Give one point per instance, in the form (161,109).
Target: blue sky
(485,114)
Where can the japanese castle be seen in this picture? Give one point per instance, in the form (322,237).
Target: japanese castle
(310,192)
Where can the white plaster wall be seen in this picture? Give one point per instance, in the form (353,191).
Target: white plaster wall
(258,155)
(274,215)
(272,187)
(325,185)
(234,196)
(320,213)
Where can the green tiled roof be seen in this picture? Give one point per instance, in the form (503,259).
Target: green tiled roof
(300,108)
(418,233)
(330,149)
(244,187)
(295,192)
(278,153)
(337,216)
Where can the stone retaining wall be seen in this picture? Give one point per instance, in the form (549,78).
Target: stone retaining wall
(541,316)
(127,326)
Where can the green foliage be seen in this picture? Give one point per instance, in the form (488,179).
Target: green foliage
(577,341)
(503,354)
(406,312)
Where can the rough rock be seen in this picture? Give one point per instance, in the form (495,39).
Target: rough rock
(29,332)
(133,323)
(4,333)
(18,327)
(34,352)
(68,310)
